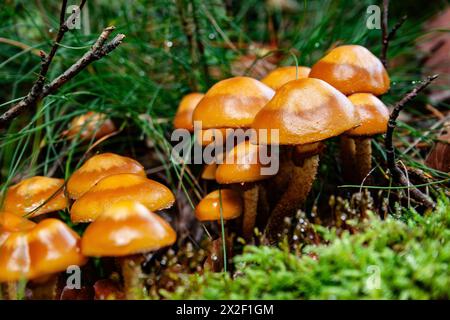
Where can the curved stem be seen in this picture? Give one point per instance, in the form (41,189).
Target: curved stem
(296,194)
(132,276)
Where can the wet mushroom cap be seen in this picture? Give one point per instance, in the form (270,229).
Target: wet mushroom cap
(38,195)
(183,117)
(232,103)
(13,223)
(283,75)
(208,136)
(209,171)
(210,207)
(53,247)
(352,69)
(98,167)
(241,164)
(373,114)
(305,111)
(126,186)
(90,125)
(15,263)
(126,228)
(49,247)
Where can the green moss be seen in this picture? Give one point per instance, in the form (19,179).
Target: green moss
(390,259)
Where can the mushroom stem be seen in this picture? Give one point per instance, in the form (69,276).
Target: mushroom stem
(132,276)
(363,158)
(280,181)
(10,290)
(250,196)
(295,195)
(45,288)
(347,154)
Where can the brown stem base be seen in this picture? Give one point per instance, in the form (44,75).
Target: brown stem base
(45,289)
(250,196)
(132,276)
(347,155)
(296,194)
(363,158)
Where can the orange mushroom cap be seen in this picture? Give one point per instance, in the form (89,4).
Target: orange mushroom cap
(209,171)
(306,111)
(183,117)
(241,165)
(352,69)
(126,228)
(37,192)
(232,103)
(14,223)
(10,223)
(90,125)
(49,247)
(125,186)
(209,208)
(15,262)
(283,75)
(208,136)
(373,113)
(99,167)
(53,247)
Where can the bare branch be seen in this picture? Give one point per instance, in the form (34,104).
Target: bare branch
(398,175)
(387,35)
(38,91)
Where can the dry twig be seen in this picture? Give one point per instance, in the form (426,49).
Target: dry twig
(397,174)
(40,90)
(388,35)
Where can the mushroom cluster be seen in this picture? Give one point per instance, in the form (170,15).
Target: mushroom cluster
(109,191)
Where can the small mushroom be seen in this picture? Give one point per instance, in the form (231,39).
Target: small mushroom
(91,125)
(126,230)
(183,117)
(99,167)
(209,171)
(306,112)
(220,206)
(125,186)
(352,69)
(41,250)
(35,196)
(374,117)
(243,169)
(283,75)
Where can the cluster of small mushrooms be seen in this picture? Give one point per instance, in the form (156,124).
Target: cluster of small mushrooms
(337,97)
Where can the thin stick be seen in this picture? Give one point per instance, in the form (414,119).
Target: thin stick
(39,90)
(397,174)
(386,35)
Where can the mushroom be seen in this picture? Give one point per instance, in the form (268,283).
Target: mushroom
(39,252)
(374,117)
(99,167)
(124,186)
(183,117)
(220,205)
(305,112)
(283,75)
(209,171)
(10,223)
(126,230)
(91,125)
(243,169)
(352,69)
(232,103)
(35,196)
